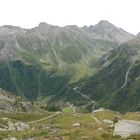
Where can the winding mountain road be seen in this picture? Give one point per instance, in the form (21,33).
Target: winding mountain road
(126,77)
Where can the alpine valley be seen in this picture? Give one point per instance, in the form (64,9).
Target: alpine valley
(63,82)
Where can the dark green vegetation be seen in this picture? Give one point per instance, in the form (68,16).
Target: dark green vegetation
(43,62)
(117,85)
(46,64)
(32,82)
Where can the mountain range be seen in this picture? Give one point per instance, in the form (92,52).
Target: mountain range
(47,63)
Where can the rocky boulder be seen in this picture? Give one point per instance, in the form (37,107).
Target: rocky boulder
(11,126)
(126,128)
(19,126)
(76,124)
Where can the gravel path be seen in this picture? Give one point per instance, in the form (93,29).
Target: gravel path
(48,117)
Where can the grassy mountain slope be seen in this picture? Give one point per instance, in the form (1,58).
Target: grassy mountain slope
(31,81)
(45,61)
(61,126)
(116,86)
(53,47)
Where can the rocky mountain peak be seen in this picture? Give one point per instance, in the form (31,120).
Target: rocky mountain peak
(104,23)
(107,31)
(138,35)
(43,27)
(43,24)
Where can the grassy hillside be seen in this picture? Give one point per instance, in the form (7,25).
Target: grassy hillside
(33,82)
(116,85)
(43,62)
(61,126)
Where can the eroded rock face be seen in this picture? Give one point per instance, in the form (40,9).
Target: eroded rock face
(126,128)
(19,126)
(14,103)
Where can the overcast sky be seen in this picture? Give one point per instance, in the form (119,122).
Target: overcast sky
(29,13)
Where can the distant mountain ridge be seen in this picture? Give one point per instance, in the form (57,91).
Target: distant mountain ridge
(45,62)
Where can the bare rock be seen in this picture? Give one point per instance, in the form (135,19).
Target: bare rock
(11,126)
(20,126)
(76,124)
(98,110)
(126,128)
(108,121)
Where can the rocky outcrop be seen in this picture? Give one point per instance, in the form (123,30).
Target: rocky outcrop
(126,128)
(11,126)
(14,103)
(18,126)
